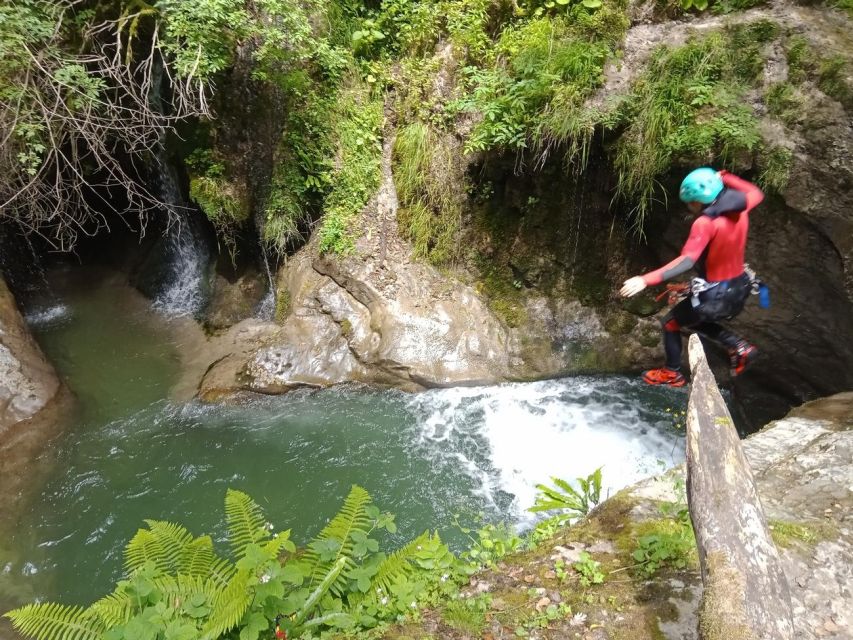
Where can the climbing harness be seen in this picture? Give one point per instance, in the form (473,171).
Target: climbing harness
(675,292)
(700,285)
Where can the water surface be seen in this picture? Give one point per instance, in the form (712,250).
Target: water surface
(131,452)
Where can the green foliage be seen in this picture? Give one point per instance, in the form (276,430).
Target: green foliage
(427,182)
(799,58)
(201,36)
(788,534)
(828,73)
(178,588)
(775,168)
(357,173)
(216,195)
(117,76)
(530,625)
(687,108)
(668,542)
(564,497)
(784,102)
(468,615)
(589,570)
(733,6)
(833,79)
(492,542)
(546,70)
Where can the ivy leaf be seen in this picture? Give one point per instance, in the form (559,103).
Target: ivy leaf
(293,573)
(255,623)
(196,606)
(592,4)
(254,558)
(326,549)
(181,631)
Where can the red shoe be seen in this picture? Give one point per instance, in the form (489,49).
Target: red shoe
(741,358)
(664,376)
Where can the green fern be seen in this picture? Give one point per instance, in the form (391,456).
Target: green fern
(246,522)
(564,497)
(351,518)
(199,559)
(115,609)
(163,543)
(395,566)
(51,621)
(229,606)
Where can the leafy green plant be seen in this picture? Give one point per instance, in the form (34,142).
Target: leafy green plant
(428,180)
(177,586)
(775,168)
(492,542)
(356,176)
(688,108)
(468,614)
(589,570)
(564,497)
(530,624)
(668,542)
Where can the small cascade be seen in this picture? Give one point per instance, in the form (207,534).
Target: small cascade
(22,267)
(182,289)
(266,307)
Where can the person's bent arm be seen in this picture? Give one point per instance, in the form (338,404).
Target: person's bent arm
(753,194)
(700,235)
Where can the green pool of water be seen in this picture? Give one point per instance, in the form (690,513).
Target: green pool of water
(131,453)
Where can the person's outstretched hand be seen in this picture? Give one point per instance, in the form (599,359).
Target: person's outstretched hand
(632,286)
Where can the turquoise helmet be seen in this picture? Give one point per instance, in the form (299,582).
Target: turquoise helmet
(701,185)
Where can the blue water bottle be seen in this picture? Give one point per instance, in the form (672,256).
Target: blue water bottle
(763,296)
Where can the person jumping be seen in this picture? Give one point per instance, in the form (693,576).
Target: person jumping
(715,249)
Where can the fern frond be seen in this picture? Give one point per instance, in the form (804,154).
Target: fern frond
(144,547)
(280,541)
(197,558)
(230,605)
(51,621)
(246,522)
(181,588)
(115,609)
(163,543)
(395,566)
(352,517)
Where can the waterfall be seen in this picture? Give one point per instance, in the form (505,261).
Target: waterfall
(186,254)
(266,307)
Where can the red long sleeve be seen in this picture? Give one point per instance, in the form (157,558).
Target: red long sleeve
(754,195)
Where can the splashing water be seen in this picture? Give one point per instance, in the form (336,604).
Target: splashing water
(187,255)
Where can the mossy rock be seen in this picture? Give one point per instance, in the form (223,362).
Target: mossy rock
(620,323)
(283,305)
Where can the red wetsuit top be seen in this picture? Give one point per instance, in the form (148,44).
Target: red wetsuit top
(717,238)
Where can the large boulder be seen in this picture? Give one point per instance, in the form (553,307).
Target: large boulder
(374,316)
(27,381)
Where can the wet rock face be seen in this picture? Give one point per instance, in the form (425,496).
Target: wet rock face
(803,469)
(27,381)
(376,316)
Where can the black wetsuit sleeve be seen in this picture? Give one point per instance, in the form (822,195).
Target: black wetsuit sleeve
(682,264)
